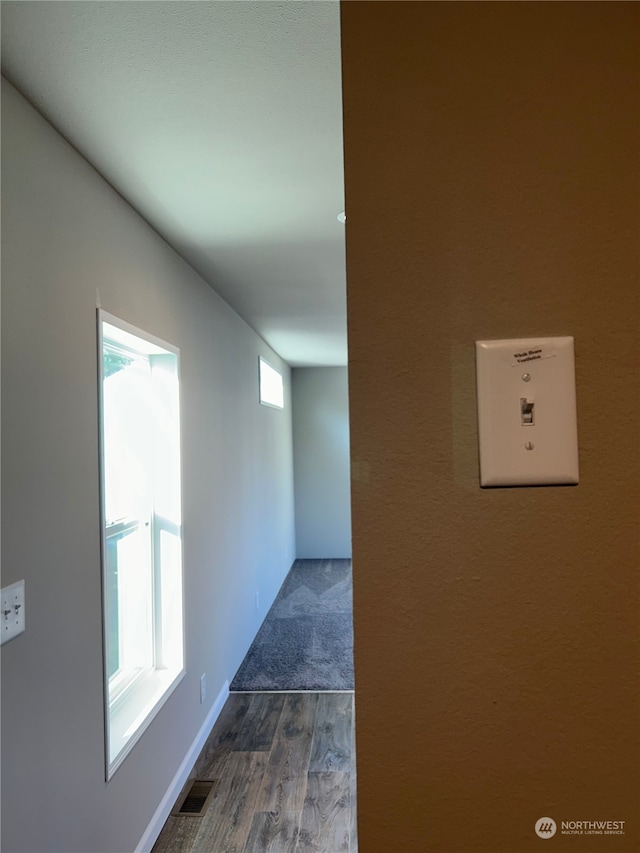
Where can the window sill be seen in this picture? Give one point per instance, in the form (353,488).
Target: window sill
(128,719)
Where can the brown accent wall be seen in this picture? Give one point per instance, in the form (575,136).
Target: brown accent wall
(491,154)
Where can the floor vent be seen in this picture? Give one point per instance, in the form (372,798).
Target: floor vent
(195,801)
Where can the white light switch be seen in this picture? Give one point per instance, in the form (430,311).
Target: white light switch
(12,614)
(527,421)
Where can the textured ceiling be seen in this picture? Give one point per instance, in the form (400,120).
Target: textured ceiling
(221,123)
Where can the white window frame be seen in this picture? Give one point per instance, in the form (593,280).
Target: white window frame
(264,401)
(131,705)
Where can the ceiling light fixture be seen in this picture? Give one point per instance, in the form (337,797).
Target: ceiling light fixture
(342,217)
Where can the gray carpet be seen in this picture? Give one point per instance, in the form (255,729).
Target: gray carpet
(306,640)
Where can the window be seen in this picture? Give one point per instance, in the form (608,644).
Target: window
(141,530)
(271,387)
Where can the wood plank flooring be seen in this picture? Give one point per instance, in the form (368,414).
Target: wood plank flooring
(284,771)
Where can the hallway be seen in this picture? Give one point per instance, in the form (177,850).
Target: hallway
(283,765)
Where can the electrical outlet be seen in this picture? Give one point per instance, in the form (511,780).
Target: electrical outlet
(257,601)
(203,688)
(12,612)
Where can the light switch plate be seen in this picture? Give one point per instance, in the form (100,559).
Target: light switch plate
(12,616)
(527,422)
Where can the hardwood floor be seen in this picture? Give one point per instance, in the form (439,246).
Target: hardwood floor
(284,772)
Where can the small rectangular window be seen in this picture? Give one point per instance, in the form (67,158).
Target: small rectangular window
(271,386)
(141,530)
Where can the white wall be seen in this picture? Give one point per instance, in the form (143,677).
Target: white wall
(70,242)
(321,461)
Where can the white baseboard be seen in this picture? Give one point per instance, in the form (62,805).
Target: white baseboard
(158,820)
